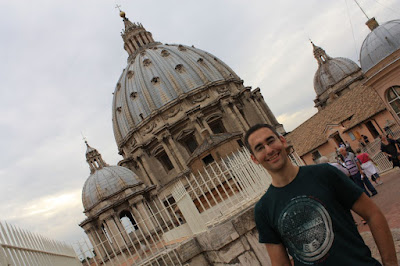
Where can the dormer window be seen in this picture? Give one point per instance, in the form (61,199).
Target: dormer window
(190,143)
(165,161)
(217,127)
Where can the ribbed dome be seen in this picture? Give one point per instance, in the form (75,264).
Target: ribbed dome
(106,182)
(331,70)
(159,75)
(381,42)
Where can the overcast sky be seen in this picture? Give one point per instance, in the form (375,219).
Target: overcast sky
(60,62)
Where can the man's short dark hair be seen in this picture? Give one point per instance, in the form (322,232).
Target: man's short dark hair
(255,128)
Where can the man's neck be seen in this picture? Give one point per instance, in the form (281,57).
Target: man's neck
(284,176)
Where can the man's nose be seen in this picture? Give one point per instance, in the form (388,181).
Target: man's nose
(268,149)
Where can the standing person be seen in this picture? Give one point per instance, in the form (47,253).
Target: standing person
(356,172)
(368,165)
(388,147)
(348,147)
(306,210)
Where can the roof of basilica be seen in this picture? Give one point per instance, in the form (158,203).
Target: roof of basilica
(331,70)
(355,106)
(381,42)
(157,75)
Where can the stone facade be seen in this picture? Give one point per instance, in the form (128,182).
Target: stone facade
(234,242)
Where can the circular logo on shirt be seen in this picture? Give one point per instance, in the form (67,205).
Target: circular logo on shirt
(306,229)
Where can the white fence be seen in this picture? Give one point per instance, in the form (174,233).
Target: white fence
(21,247)
(197,202)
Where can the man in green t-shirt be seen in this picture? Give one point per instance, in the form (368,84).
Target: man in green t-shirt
(306,210)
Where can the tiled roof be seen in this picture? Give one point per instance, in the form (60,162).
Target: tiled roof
(357,105)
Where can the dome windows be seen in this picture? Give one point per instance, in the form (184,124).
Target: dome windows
(164,53)
(155,80)
(146,62)
(181,48)
(133,95)
(200,60)
(179,68)
(130,74)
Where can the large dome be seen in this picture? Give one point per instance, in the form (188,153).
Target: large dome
(381,42)
(157,75)
(105,182)
(331,70)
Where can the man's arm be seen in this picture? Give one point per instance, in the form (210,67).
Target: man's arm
(278,255)
(368,210)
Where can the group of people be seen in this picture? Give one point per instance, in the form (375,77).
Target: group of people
(305,212)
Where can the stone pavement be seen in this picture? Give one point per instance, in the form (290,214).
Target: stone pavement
(388,199)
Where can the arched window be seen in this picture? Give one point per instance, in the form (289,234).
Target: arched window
(393,98)
(128,221)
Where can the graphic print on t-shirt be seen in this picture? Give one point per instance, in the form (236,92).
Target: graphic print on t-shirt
(306,229)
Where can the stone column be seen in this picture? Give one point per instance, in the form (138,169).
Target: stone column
(259,111)
(121,229)
(226,107)
(264,105)
(175,150)
(143,165)
(139,40)
(241,118)
(134,44)
(98,247)
(169,153)
(114,233)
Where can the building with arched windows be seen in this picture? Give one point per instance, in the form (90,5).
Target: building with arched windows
(355,104)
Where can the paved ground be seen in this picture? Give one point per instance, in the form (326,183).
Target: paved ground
(388,199)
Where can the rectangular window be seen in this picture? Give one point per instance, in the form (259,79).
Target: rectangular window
(316,155)
(217,127)
(165,161)
(351,135)
(190,143)
(208,159)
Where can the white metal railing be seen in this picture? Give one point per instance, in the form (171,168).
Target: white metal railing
(21,247)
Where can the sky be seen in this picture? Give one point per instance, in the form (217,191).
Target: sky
(60,62)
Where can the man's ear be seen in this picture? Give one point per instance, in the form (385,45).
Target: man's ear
(254,159)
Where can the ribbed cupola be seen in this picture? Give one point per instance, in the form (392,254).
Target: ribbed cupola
(135,36)
(94,159)
(320,54)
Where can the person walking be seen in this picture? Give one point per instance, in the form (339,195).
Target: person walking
(368,165)
(389,148)
(306,210)
(357,173)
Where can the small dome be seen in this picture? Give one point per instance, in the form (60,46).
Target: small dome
(381,42)
(330,70)
(157,76)
(333,71)
(106,182)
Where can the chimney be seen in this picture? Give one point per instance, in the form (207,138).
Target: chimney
(372,24)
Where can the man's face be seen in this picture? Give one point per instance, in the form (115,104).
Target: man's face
(343,152)
(268,149)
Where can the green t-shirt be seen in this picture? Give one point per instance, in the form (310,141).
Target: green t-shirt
(311,217)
